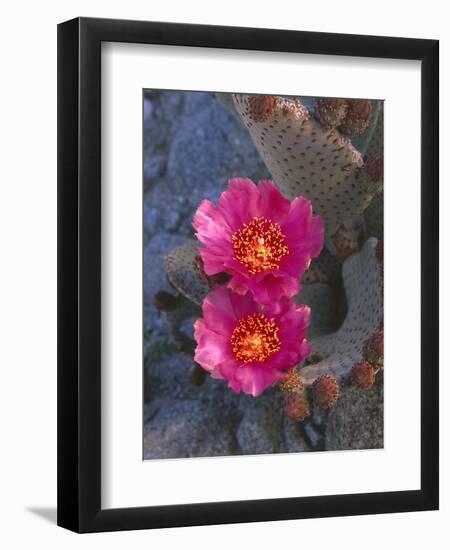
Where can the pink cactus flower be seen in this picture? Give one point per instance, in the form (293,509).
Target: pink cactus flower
(263,240)
(249,345)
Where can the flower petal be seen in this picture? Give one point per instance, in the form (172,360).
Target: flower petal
(272,204)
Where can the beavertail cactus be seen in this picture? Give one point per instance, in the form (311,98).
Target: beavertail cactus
(335,354)
(309,159)
(184,268)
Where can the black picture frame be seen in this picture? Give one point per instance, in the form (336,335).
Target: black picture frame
(79,274)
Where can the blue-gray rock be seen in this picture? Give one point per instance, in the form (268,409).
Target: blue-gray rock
(186,428)
(356,421)
(293,438)
(260,430)
(192,146)
(313,435)
(155,279)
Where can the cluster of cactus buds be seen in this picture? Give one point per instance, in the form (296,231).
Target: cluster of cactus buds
(350,116)
(296,403)
(331,111)
(364,373)
(324,392)
(357,118)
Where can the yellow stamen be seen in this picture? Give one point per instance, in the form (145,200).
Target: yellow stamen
(255,338)
(259,245)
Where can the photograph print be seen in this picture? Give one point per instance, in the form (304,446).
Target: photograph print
(263,274)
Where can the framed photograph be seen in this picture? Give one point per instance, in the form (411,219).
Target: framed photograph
(247,236)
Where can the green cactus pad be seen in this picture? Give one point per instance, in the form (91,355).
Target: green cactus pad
(339,351)
(308,159)
(184,274)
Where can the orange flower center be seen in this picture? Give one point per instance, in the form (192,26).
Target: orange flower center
(259,245)
(255,338)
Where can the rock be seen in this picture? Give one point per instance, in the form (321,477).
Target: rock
(167,377)
(313,435)
(186,428)
(294,441)
(187,327)
(260,430)
(155,279)
(192,146)
(154,167)
(356,421)
(319,416)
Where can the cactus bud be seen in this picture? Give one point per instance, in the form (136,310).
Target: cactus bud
(347,239)
(165,301)
(363,375)
(291,382)
(261,107)
(330,111)
(374,168)
(357,118)
(296,406)
(325,391)
(374,349)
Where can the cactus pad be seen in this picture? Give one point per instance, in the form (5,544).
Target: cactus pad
(183,272)
(339,351)
(308,159)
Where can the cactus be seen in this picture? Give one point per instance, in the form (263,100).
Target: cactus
(348,238)
(331,111)
(325,391)
(184,268)
(363,375)
(296,406)
(374,349)
(308,154)
(357,118)
(340,351)
(309,159)
(292,381)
